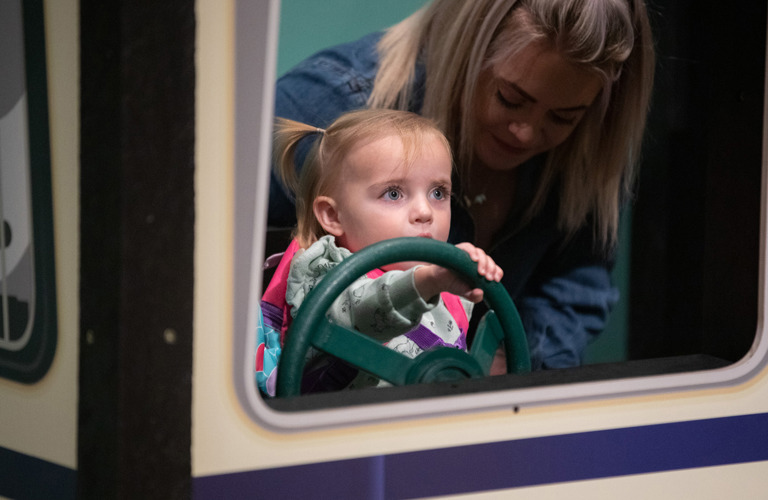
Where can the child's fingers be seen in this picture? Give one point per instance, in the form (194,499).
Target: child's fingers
(482,265)
(475,253)
(496,271)
(486,266)
(471,249)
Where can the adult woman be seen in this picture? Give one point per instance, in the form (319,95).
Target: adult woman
(544,103)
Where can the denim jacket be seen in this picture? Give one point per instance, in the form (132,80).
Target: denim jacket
(561,286)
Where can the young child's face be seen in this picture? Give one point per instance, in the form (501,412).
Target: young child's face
(379,197)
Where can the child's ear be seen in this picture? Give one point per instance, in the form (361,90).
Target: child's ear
(328,215)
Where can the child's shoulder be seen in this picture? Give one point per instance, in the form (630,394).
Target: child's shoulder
(310,266)
(320,257)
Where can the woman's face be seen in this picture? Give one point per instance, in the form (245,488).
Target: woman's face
(527,104)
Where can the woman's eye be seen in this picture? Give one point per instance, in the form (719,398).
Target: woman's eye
(561,120)
(506,102)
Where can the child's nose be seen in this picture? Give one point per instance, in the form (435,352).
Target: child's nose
(421,211)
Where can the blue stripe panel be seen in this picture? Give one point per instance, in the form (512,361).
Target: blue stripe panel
(508,464)
(30,478)
(355,478)
(574,457)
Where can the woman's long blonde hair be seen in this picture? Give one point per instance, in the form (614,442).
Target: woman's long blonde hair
(321,168)
(457,39)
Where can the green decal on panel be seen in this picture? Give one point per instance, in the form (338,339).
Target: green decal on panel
(27,280)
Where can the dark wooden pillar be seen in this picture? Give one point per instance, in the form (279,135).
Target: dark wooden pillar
(137,223)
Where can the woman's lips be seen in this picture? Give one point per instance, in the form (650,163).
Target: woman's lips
(509,148)
(425,235)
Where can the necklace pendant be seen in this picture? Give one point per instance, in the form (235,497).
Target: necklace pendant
(477,200)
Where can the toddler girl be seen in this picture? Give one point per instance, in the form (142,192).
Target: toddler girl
(371,176)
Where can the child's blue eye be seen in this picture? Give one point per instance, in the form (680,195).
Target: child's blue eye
(440,193)
(393,194)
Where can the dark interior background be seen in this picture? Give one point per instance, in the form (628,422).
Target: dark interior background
(696,220)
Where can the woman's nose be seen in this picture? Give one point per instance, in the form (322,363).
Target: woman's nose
(524,131)
(526,124)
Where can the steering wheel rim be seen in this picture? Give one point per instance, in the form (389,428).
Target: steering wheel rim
(311,328)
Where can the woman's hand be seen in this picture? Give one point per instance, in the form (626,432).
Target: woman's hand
(432,280)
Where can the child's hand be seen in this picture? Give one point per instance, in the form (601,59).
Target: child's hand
(486,267)
(432,279)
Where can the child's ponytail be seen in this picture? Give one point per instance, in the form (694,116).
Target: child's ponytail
(304,187)
(288,135)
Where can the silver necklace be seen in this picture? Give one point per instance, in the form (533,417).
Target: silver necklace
(477,200)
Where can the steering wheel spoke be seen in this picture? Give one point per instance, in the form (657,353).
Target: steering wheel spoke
(487,339)
(364,352)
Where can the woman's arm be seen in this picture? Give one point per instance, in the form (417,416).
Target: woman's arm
(563,291)
(563,314)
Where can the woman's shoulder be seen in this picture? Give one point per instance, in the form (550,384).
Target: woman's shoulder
(360,56)
(329,82)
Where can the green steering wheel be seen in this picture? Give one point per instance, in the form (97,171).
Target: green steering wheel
(312,328)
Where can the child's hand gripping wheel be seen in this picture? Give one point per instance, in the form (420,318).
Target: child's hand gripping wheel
(312,328)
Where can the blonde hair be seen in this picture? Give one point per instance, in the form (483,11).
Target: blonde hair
(456,40)
(321,167)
